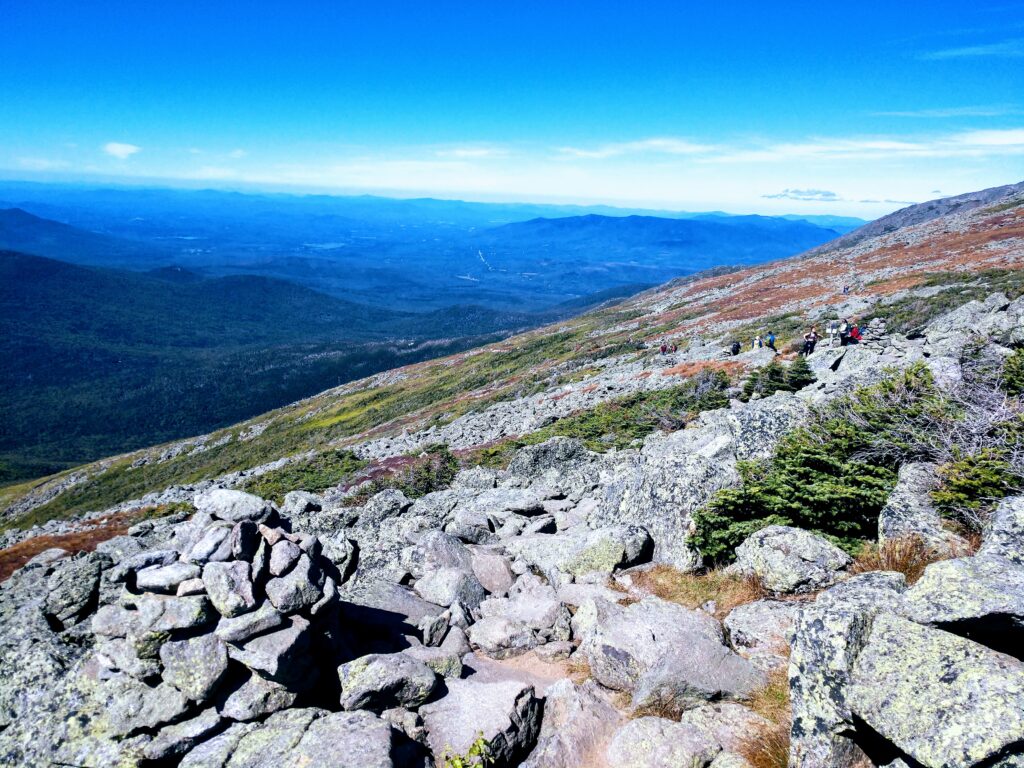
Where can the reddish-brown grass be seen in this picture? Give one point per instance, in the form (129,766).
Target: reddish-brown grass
(909,555)
(694,590)
(14,557)
(769,747)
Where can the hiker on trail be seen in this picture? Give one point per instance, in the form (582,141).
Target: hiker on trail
(855,334)
(664,349)
(844,332)
(757,343)
(675,348)
(846,290)
(770,342)
(735,348)
(810,341)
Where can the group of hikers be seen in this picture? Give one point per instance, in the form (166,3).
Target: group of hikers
(669,348)
(844,331)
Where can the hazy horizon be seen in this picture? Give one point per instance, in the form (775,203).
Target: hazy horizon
(803,109)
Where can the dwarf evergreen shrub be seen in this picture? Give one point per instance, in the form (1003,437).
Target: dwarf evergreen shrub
(775,377)
(828,477)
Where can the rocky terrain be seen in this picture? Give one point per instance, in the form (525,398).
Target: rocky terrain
(552,608)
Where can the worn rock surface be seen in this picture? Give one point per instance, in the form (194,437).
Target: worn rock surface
(941,699)
(791,560)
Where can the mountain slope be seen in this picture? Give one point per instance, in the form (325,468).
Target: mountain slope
(21,231)
(697,243)
(478,397)
(100,360)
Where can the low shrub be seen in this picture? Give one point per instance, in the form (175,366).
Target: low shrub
(1013,373)
(322,471)
(623,422)
(832,476)
(433,470)
(775,377)
(971,483)
(477,756)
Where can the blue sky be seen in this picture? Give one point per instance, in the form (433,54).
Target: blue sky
(845,108)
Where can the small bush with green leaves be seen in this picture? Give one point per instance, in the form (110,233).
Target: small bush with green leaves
(477,756)
(322,471)
(818,477)
(433,470)
(972,482)
(1013,373)
(623,422)
(775,377)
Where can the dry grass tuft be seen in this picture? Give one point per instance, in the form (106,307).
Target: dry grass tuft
(769,747)
(909,556)
(693,590)
(578,669)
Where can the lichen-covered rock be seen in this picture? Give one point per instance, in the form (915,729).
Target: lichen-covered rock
(578,723)
(212,545)
(175,740)
(382,681)
(118,655)
(731,725)
(982,594)
(654,742)
(283,555)
(760,631)
(561,557)
(941,699)
(131,706)
(73,588)
(300,588)
(194,666)
(791,560)
(687,675)
(493,570)
(827,637)
(280,655)
(909,511)
(165,578)
(501,637)
(238,629)
(229,586)
(232,506)
(256,697)
(215,752)
(506,714)
(364,741)
(436,549)
(536,606)
(446,662)
(451,586)
(1005,535)
(677,473)
(662,652)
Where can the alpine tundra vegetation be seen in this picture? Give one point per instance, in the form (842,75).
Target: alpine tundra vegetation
(608,543)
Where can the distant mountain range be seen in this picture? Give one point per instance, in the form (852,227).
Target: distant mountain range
(129,317)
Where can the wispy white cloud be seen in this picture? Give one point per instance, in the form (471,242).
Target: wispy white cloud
(980,143)
(41,164)
(945,112)
(818,195)
(236,154)
(120,150)
(1007,49)
(657,145)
